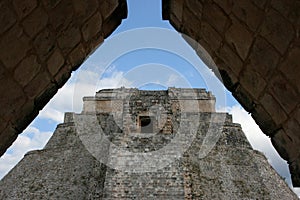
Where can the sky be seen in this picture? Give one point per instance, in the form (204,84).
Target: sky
(147,53)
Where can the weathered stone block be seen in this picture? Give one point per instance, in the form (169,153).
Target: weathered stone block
(292,128)
(7,17)
(107,8)
(260,3)
(277,30)
(83,9)
(239,37)
(26,70)
(288,8)
(24,7)
(231,59)
(61,15)
(12,98)
(244,98)
(35,22)
(214,16)
(273,108)
(44,44)
(294,167)
(297,113)
(226,5)
(193,24)
(50,4)
(7,136)
(63,75)
(247,12)
(37,85)
(15,45)
(55,62)
(264,120)
(263,58)
(92,27)
(210,35)
(194,5)
(252,81)
(77,56)
(283,92)
(69,39)
(290,67)
(283,143)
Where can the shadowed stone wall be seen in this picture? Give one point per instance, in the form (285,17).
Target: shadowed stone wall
(255,47)
(41,43)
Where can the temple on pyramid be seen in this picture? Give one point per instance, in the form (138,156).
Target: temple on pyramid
(145,144)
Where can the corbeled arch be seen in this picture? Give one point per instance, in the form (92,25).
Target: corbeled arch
(42,42)
(255,46)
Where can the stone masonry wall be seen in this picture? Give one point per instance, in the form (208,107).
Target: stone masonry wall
(41,43)
(255,47)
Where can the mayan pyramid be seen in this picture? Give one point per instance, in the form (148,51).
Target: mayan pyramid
(137,144)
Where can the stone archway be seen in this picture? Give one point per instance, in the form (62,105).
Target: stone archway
(255,45)
(42,42)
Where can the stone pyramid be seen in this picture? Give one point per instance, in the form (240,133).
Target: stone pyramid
(136,144)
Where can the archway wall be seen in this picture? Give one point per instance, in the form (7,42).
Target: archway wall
(255,46)
(41,43)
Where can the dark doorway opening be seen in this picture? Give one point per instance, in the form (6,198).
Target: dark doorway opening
(146,123)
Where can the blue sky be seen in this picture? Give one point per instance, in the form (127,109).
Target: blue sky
(164,60)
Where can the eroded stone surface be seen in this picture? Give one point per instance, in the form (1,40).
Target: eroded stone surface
(77,163)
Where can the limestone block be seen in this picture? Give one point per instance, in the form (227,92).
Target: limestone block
(26,70)
(69,39)
(214,16)
(252,81)
(12,98)
(194,5)
(7,17)
(212,37)
(15,45)
(273,108)
(239,37)
(283,92)
(231,59)
(92,27)
(37,85)
(247,12)
(24,7)
(44,44)
(277,30)
(290,67)
(289,9)
(107,7)
(226,5)
(84,9)
(292,128)
(35,22)
(263,57)
(61,15)
(283,143)
(264,120)
(77,56)
(55,62)
(177,9)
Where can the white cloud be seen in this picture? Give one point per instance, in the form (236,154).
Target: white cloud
(31,139)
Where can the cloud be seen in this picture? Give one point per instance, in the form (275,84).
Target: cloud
(32,138)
